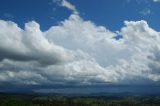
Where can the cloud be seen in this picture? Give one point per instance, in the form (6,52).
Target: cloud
(142,1)
(78,52)
(156,0)
(8,16)
(146,4)
(29,44)
(143,42)
(145,11)
(30,53)
(66,4)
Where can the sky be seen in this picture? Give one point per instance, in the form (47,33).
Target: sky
(50,44)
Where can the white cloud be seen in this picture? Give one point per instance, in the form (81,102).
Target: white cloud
(68,5)
(142,1)
(78,52)
(29,44)
(156,0)
(145,11)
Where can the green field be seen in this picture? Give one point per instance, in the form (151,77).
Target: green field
(39,100)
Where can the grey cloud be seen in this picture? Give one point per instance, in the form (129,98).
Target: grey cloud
(29,44)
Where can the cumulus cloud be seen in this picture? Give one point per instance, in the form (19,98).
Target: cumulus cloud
(78,52)
(29,44)
(57,55)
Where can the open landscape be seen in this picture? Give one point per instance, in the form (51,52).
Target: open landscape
(11,99)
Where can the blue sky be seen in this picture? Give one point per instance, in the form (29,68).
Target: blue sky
(109,13)
(45,44)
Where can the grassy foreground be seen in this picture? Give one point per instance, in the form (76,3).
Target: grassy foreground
(39,100)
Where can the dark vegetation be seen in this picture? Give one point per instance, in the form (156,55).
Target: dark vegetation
(42,100)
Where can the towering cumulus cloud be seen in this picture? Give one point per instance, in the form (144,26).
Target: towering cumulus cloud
(78,52)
